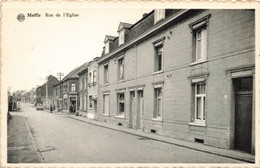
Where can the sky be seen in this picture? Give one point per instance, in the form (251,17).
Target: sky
(41,46)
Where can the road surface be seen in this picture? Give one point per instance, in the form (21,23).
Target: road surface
(61,139)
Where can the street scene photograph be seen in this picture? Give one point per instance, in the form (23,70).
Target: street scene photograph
(157,85)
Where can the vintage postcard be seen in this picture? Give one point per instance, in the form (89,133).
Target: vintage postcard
(130,84)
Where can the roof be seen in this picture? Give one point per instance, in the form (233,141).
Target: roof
(74,73)
(108,37)
(123,25)
(145,24)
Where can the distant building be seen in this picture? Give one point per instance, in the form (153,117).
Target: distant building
(70,88)
(83,92)
(186,74)
(41,96)
(92,89)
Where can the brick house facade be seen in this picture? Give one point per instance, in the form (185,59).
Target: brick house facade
(186,74)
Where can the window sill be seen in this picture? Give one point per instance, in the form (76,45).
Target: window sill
(120,116)
(197,123)
(106,115)
(120,81)
(157,119)
(198,62)
(106,84)
(158,72)
(90,108)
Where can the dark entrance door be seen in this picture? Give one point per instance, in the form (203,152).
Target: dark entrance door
(243,113)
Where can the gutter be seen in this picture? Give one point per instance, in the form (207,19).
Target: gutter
(170,19)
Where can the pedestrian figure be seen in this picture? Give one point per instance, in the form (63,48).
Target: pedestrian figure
(51,108)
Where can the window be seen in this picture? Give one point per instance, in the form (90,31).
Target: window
(121,37)
(90,78)
(159,14)
(106,74)
(200,44)
(90,102)
(73,87)
(158,103)
(158,58)
(106,104)
(107,47)
(81,84)
(199,39)
(121,69)
(121,103)
(94,77)
(200,102)
(85,102)
(86,83)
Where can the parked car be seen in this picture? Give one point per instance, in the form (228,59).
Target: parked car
(39,106)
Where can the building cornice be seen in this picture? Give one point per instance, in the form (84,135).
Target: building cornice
(144,35)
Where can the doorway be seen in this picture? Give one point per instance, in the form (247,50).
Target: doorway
(243,113)
(132,108)
(73,105)
(140,112)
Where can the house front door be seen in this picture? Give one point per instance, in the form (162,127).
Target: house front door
(140,110)
(243,113)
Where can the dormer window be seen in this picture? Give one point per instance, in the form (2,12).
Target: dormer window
(121,39)
(107,47)
(107,41)
(159,14)
(123,28)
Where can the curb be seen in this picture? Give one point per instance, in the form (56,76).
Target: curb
(165,141)
(34,144)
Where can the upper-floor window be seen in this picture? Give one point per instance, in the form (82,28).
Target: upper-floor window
(73,87)
(94,77)
(159,14)
(81,84)
(90,77)
(106,73)
(201,45)
(86,83)
(158,60)
(107,47)
(121,38)
(121,69)
(199,39)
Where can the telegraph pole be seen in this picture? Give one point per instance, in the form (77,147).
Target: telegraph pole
(60,75)
(47,102)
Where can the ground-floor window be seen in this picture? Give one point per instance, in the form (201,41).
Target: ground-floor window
(200,102)
(121,104)
(158,103)
(85,103)
(106,104)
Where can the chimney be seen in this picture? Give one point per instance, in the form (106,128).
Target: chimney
(145,14)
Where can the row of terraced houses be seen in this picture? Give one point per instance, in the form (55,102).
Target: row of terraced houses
(185,73)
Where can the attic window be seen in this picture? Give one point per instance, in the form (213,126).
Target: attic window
(121,37)
(107,47)
(159,14)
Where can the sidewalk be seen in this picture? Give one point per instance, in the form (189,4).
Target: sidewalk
(191,145)
(20,142)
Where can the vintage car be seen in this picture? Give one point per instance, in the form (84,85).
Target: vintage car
(39,106)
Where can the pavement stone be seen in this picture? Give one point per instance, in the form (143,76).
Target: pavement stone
(191,145)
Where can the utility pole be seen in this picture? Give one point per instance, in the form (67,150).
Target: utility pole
(47,102)
(60,75)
